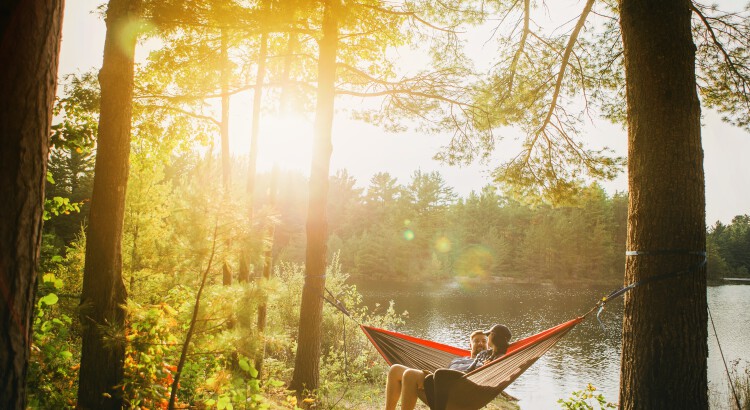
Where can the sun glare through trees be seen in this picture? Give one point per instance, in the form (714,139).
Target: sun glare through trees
(188,224)
(284,141)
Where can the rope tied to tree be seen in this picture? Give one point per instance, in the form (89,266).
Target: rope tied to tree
(339,305)
(599,307)
(693,268)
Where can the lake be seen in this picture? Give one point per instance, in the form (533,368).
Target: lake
(589,354)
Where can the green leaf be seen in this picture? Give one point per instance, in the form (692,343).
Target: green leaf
(50,299)
(66,354)
(46,326)
(244,365)
(275,383)
(210,402)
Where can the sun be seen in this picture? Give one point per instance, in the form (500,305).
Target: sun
(284,141)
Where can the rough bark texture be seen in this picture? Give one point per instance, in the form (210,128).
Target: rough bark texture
(307,361)
(29,49)
(664,346)
(103,292)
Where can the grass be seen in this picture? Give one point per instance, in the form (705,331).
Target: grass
(367,397)
(741,380)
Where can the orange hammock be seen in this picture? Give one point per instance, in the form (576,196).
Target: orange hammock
(455,390)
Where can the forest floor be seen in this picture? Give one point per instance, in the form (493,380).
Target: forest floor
(366,397)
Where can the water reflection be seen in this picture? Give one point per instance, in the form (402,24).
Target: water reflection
(589,354)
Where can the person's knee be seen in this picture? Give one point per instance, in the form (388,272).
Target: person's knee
(396,372)
(414,377)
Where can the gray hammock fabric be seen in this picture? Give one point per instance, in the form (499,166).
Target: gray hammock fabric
(453,390)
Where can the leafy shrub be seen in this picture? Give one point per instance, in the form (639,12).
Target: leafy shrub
(585,400)
(53,369)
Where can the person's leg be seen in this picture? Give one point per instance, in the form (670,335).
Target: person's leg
(412,387)
(393,386)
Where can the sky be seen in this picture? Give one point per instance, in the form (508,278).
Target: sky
(364,149)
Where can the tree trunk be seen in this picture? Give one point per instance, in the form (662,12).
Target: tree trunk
(226,167)
(664,346)
(225,158)
(255,127)
(267,269)
(307,360)
(29,49)
(104,294)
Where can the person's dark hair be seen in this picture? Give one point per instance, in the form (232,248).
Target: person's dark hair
(500,338)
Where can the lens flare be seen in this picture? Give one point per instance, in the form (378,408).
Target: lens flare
(443,244)
(408,234)
(130,31)
(475,261)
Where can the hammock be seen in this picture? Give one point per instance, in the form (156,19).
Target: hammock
(454,390)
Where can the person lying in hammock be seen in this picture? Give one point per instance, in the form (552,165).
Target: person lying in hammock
(408,384)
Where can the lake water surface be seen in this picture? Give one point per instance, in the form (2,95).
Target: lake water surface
(589,354)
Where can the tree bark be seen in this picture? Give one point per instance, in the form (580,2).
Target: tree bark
(664,346)
(226,170)
(307,360)
(30,33)
(104,294)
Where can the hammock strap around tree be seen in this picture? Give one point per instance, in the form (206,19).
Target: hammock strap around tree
(694,268)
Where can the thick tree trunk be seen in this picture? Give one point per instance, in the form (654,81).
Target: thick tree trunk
(307,361)
(29,49)
(104,294)
(664,346)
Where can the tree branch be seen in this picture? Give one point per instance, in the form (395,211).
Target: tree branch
(563,65)
(409,14)
(185,112)
(521,45)
(740,80)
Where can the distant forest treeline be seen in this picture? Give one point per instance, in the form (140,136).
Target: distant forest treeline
(416,230)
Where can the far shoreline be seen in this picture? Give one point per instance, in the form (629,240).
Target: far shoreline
(513,280)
